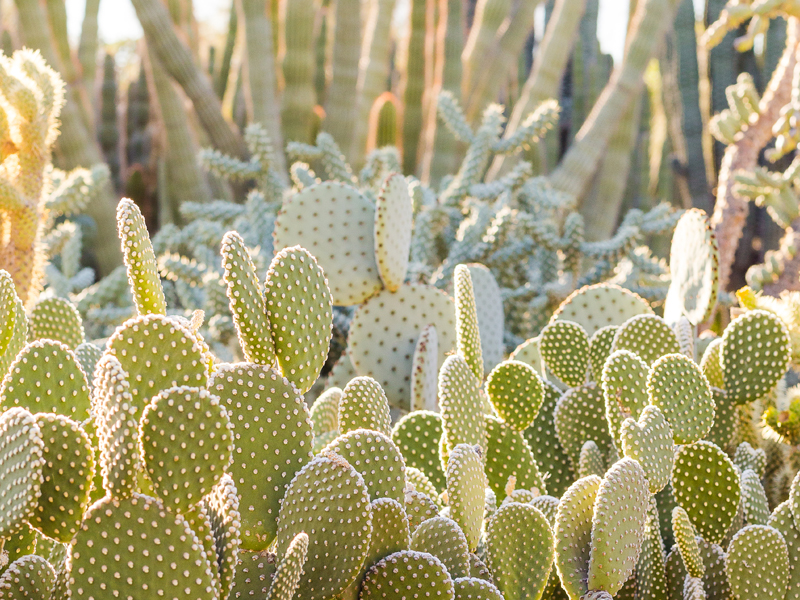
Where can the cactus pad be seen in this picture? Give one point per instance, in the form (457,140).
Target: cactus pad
(580,416)
(781,519)
(516,392)
(596,306)
(390,531)
(600,349)
(546,448)
(624,384)
(647,336)
(88,356)
(419,508)
(290,569)
(394,220)
(56,319)
(442,538)
(417,436)
(384,332)
(508,455)
(754,499)
(461,404)
(363,405)
(711,365)
(8,309)
(425,370)
(475,588)
(19,337)
(254,574)
(28,578)
(419,481)
(491,320)
(465,490)
(21,465)
(335,223)
(565,349)
(468,336)
(591,461)
(529,353)
(405,575)
(758,563)
(687,544)
(222,508)
(746,457)
(324,412)
(649,441)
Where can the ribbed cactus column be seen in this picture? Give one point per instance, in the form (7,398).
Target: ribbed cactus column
(87,46)
(489,16)
(297,105)
(412,85)
(339,113)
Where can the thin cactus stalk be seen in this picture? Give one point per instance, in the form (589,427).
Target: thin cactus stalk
(297,42)
(412,84)
(488,18)
(339,114)
(223,72)
(87,45)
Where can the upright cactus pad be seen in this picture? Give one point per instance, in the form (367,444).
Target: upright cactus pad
(425,370)
(28,577)
(565,349)
(468,336)
(22,454)
(460,401)
(390,530)
(686,543)
(491,319)
(596,306)
(465,491)
(758,563)
(417,436)
(8,309)
(363,405)
(624,383)
(222,507)
(394,221)
(509,456)
(290,569)
(19,337)
(443,538)
(88,355)
(580,416)
(516,392)
(781,519)
(548,451)
(56,319)
(649,441)
(324,412)
(754,499)
(407,574)
(467,588)
(711,364)
(600,348)
(592,461)
(647,336)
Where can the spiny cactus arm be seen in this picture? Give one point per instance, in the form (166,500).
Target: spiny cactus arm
(468,335)
(22,449)
(532,128)
(78,190)
(290,569)
(453,117)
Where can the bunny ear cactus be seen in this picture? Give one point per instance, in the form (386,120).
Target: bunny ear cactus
(573,535)
(508,457)
(624,383)
(596,306)
(56,319)
(468,336)
(21,469)
(407,574)
(600,349)
(363,405)
(649,441)
(758,563)
(466,483)
(647,336)
(460,401)
(565,349)
(290,569)
(28,577)
(516,392)
(580,416)
(417,436)
(393,224)
(443,538)
(425,371)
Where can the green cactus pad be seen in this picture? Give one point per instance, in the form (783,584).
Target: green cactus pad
(376,459)
(694,269)
(754,499)
(327,481)
(28,578)
(478,570)
(711,365)
(460,401)
(465,491)
(676,575)
(21,465)
(394,220)
(390,531)
(198,520)
(21,543)
(649,441)
(335,223)
(468,338)
(222,507)
(140,261)
(693,589)
(272,441)
(185,442)
(620,514)
(516,392)
(56,319)
(299,310)
(548,505)
(596,306)
(8,309)
(519,548)
(565,349)
(758,563)
(546,448)
(475,588)
(715,581)
(647,336)
(419,481)
(325,411)
(19,338)
(489,306)
(529,353)
(781,519)
(254,574)
(88,356)
(419,508)
(246,301)
(136,560)
(406,575)
(580,416)
(290,569)
(363,405)
(46,377)
(591,461)
(66,477)
(726,420)
(794,499)
(755,355)
(417,436)
(384,333)
(521,496)
(600,349)
(687,545)
(508,455)
(651,578)
(624,384)
(676,385)
(706,485)
(573,535)
(425,370)
(443,538)
(746,457)
(158,353)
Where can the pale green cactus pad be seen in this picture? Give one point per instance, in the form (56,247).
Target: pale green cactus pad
(407,574)
(461,404)
(66,477)
(140,261)
(21,543)
(254,573)
(529,353)
(46,377)
(290,569)
(158,353)
(394,220)
(425,370)
(687,544)
(715,580)
(620,514)
(573,535)
(546,448)
(478,570)
(335,223)
(475,588)
(443,538)
(384,333)
(465,491)
(694,269)
(754,499)
(651,577)
(419,508)
(468,338)
(596,306)
(222,507)
(565,349)
(519,548)
(647,336)
(781,519)
(756,351)
(649,441)
(711,365)
(21,465)
(363,405)
(600,348)
(198,520)
(679,389)
(794,500)
(376,459)
(491,320)
(516,392)
(28,578)
(624,384)
(580,416)
(19,337)
(419,481)
(508,455)
(8,309)
(758,563)
(185,442)
(747,457)
(272,441)
(88,356)
(327,481)
(591,461)
(417,436)
(56,319)
(390,531)
(726,420)
(133,563)
(706,485)
(246,301)
(324,412)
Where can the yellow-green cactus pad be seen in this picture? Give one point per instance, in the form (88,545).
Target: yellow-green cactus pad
(687,544)
(715,581)
(624,384)
(417,436)
(425,371)
(475,588)
(651,577)
(711,364)
(88,356)
(565,349)
(384,333)
(679,389)
(253,576)
(706,485)
(443,538)
(19,337)
(747,457)
(290,569)
(28,578)
(756,351)
(419,508)
(466,483)
(140,261)
(21,543)
(325,411)
(516,392)
(66,477)
(478,570)
(461,404)
(46,377)
(222,508)
(592,461)
(758,563)
(246,301)
(620,514)
(596,306)
(335,223)
(390,531)
(136,562)
(491,320)
(21,465)
(781,519)
(394,220)
(529,353)
(417,480)
(363,405)
(8,309)
(649,441)
(327,481)
(547,450)
(726,420)
(272,441)
(647,336)
(580,416)
(185,441)
(508,455)
(56,319)
(754,499)
(468,335)
(406,575)
(600,348)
